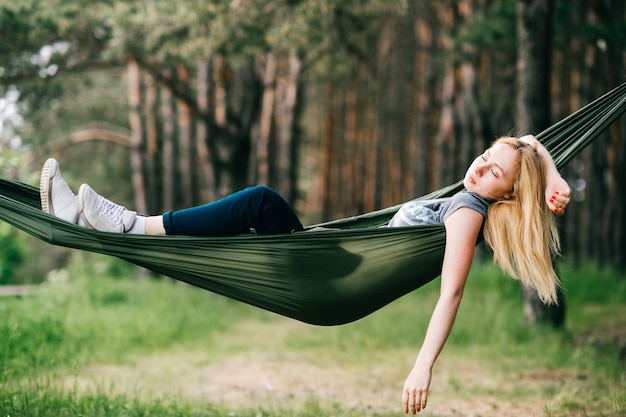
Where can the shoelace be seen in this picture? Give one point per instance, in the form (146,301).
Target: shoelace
(113,211)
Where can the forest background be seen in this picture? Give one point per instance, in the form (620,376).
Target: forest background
(343,106)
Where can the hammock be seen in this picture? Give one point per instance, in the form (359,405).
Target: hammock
(324,277)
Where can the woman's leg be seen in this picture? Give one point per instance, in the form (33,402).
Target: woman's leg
(154,226)
(260,208)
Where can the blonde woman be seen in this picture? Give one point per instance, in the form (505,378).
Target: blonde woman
(514,176)
(511,191)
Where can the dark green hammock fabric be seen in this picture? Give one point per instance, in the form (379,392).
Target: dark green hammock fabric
(322,277)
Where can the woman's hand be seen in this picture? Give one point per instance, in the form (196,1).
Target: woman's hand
(557,194)
(557,189)
(415,392)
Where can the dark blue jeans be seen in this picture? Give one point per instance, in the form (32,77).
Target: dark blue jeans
(260,208)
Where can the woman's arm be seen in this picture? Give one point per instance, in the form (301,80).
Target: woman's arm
(462,228)
(557,189)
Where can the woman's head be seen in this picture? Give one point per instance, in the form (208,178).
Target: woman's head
(496,174)
(520,228)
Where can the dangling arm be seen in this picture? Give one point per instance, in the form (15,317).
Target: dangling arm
(462,228)
(557,189)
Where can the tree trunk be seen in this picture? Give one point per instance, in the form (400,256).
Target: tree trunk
(611,14)
(286,155)
(419,140)
(371,156)
(207,176)
(536,312)
(167,112)
(134,116)
(532,114)
(152,145)
(585,184)
(266,123)
(187,191)
(383,56)
(534,17)
(222,143)
(444,140)
(351,167)
(331,158)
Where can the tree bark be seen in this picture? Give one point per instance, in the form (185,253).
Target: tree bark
(371,156)
(266,120)
(134,116)
(445,138)
(534,23)
(152,144)
(204,160)
(419,145)
(532,114)
(611,13)
(329,183)
(167,112)
(351,167)
(286,156)
(187,191)
(222,144)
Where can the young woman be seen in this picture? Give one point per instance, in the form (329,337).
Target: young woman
(503,200)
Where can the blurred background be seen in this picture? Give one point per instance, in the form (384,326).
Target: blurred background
(343,106)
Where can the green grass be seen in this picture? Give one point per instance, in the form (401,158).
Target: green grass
(44,401)
(94,342)
(94,318)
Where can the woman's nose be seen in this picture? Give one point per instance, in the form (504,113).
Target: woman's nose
(480,169)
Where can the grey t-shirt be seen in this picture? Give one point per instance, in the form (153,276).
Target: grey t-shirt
(419,212)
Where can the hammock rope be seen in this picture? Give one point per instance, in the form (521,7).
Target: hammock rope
(323,277)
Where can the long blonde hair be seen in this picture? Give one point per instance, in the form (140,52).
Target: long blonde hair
(521,230)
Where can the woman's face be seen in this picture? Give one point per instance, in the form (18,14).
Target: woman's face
(493,173)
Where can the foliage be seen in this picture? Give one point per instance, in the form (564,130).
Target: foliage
(493,28)
(11,256)
(370,89)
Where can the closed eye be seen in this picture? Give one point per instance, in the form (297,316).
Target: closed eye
(484,157)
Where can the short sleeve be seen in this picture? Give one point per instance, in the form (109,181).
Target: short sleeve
(466,199)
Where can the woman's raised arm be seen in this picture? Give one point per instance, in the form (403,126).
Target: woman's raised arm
(557,189)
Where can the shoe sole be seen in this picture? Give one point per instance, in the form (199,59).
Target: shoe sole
(44,187)
(81,206)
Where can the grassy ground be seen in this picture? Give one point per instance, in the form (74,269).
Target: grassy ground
(90,344)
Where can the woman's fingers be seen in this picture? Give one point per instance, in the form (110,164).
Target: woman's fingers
(414,401)
(559,203)
(405,401)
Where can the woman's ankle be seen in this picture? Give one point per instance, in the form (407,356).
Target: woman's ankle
(154,226)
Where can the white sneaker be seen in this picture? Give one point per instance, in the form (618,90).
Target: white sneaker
(56,196)
(102,214)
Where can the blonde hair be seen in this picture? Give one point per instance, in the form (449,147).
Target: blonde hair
(521,230)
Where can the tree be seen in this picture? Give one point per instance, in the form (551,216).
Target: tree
(345,107)
(532,113)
